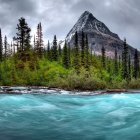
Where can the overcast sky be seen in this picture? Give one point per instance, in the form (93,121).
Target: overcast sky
(59,16)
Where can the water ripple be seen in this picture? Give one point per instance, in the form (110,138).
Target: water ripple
(53,117)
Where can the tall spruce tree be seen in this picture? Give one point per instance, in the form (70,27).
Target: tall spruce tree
(136,65)
(49,51)
(87,63)
(39,41)
(69,54)
(5,47)
(82,49)
(1,46)
(23,35)
(76,62)
(41,36)
(125,74)
(103,56)
(23,40)
(59,51)
(65,59)
(9,48)
(129,67)
(116,63)
(119,63)
(55,50)
(37,46)
(91,55)
(109,66)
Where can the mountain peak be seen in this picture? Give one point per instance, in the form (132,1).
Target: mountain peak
(86,13)
(88,23)
(87,16)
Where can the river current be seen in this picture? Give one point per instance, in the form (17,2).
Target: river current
(69,117)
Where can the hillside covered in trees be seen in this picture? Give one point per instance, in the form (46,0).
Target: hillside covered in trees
(23,63)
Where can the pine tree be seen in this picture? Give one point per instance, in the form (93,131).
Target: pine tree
(5,47)
(17,46)
(129,67)
(109,66)
(65,59)
(69,54)
(54,50)
(119,62)
(125,74)
(41,36)
(9,49)
(76,62)
(23,35)
(91,55)
(136,65)
(116,63)
(39,41)
(103,57)
(83,49)
(49,52)
(87,64)
(1,46)
(59,51)
(23,40)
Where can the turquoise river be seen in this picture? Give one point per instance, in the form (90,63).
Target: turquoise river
(70,117)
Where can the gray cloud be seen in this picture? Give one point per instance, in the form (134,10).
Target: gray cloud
(59,16)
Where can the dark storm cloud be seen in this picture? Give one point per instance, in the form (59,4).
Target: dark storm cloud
(59,16)
(18,6)
(11,11)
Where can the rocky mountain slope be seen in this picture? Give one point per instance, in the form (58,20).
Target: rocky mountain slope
(98,35)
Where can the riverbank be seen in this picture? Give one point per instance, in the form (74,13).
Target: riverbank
(48,90)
